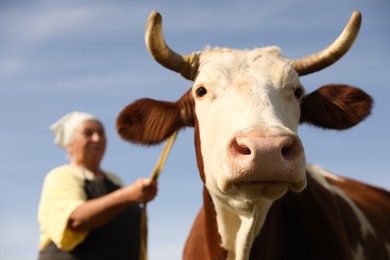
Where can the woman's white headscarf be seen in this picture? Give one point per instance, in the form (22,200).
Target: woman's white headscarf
(64,128)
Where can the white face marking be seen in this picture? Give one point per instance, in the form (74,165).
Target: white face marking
(246,90)
(246,99)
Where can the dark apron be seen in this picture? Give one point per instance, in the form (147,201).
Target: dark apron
(116,240)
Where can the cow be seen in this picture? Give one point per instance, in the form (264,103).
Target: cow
(261,199)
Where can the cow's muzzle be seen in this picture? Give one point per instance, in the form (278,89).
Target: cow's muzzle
(265,162)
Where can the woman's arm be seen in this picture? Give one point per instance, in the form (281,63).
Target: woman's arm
(98,211)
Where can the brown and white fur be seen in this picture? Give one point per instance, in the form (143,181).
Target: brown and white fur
(261,199)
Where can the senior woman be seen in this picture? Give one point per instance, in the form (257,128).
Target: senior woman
(85,212)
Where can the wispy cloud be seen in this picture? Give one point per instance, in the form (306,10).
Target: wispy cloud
(29,29)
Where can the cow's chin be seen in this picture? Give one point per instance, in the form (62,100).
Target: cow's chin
(254,190)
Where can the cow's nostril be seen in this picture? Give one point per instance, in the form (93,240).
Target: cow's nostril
(286,151)
(243,149)
(290,150)
(240,148)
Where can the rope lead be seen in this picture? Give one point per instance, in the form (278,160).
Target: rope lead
(143,254)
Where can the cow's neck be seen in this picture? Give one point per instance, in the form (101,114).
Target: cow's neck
(233,231)
(239,229)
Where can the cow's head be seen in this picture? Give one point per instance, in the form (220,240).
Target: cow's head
(245,106)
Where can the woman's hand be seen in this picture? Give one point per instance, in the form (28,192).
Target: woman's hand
(141,191)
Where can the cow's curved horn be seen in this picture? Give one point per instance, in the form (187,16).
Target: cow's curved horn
(333,52)
(154,39)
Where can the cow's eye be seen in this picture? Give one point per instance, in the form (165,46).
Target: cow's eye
(201,91)
(298,92)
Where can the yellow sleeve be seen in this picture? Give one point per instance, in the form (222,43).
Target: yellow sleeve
(62,192)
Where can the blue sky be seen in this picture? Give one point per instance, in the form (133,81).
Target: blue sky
(57,56)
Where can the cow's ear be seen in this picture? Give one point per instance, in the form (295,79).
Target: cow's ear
(149,122)
(336,106)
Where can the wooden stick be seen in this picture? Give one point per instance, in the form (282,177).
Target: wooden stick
(143,254)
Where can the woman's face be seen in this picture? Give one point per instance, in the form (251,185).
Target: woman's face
(88,144)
